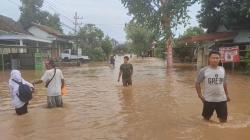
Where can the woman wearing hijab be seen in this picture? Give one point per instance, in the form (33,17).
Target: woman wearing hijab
(20,107)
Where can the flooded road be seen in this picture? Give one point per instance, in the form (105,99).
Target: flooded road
(162,104)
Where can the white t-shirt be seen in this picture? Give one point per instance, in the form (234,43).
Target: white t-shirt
(214,80)
(54,88)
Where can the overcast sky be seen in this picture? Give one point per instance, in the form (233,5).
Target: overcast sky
(109,15)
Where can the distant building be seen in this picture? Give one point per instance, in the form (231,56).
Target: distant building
(223,38)
(17,46)
(58,39)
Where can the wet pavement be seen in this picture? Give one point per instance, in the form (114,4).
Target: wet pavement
(162,104)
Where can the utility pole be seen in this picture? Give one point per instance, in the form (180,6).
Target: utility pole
(76,23)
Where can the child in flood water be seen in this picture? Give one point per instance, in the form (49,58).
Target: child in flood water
(20,107)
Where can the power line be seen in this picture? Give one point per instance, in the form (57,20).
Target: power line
(55,9)
(65,25)
(69,27)
(14,3)
(62,15)
(56,5)
(76,23)
(52,4)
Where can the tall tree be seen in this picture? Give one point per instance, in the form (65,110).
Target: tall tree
(160,15)
(193,31)
(230,13)
(141,37)
(91,41)
(107,46)
(45,18)
(114,42)
(91,35)
(29,11)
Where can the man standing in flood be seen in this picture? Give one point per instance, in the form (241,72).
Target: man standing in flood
(215,95)
(54,81)
(126,71)
(112,61)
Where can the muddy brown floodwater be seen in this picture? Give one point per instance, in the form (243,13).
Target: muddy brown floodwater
(162,104)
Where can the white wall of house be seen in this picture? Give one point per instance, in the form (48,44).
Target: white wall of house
(41,34)
(242,37)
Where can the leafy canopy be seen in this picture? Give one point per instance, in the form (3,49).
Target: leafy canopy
(140,37)
(159,15)
(30,12)
(230,13)
(94,43)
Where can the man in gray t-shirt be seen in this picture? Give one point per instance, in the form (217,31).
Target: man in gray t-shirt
(215,95)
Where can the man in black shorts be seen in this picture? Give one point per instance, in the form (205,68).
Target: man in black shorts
(126,70)
(215,95)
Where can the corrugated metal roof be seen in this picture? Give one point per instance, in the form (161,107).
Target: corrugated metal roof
(49,30)
(23,37)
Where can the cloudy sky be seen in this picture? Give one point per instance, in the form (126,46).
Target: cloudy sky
(109,15)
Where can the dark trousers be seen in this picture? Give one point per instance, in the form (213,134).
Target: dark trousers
(219,107)
(22,110)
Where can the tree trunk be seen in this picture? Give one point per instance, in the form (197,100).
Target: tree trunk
(166,22)
(169,42)
(169,50)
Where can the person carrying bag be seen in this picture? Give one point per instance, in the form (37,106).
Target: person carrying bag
(54,82)
(20,91)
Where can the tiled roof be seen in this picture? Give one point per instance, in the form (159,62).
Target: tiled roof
(10,26)
(208,37)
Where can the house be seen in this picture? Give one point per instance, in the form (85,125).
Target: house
(18,47)
(59,41)
(233,42)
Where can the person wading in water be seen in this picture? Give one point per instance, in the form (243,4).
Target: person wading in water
(126,70)
(215,95)
(54,82)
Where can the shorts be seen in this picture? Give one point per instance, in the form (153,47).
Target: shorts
(54,101)
(22,110)
(219,107)
(127,82)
